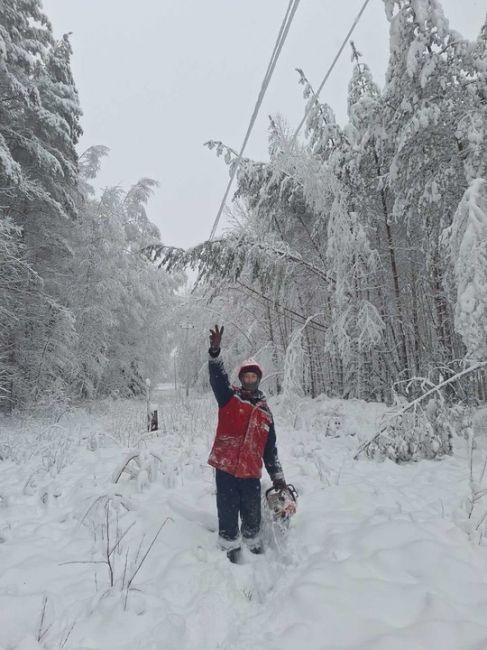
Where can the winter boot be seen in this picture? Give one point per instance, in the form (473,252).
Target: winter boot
(254,544)
(258,549)
(235,555)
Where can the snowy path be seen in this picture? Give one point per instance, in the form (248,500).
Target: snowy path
(373,559)
(379,567)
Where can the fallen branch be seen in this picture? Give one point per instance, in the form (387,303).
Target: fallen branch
(415,402)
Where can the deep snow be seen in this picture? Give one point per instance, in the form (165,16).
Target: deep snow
(377,557)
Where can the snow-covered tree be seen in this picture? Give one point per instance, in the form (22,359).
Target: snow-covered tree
(99,265)
(472,127)
(356,324)
(82,310)
(39,127)
(467,242)
(118,298)
(16,279)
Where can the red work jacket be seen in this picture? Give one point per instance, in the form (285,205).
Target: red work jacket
(241,437)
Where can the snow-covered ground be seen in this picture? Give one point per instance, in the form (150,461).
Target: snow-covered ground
(377,556)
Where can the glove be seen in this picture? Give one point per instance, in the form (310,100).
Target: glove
(216,338)
(279,484)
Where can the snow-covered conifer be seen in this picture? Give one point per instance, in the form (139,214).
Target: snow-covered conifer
(472,127)
(467,240)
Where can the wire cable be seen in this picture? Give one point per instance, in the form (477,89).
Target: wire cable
(329,71)
(281,38)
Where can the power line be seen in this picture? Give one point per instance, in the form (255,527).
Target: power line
(283,31)
(281,38)
(330,69)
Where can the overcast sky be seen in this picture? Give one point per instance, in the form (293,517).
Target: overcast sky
(157,78)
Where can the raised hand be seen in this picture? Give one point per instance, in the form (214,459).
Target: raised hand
(216,337)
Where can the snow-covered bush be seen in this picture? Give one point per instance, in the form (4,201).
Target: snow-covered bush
(467,242)
(143,466)
(415,434)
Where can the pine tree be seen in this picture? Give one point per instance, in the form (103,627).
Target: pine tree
(38,178)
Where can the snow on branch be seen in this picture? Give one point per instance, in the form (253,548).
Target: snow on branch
(231,256)
(402,437)
(466,239)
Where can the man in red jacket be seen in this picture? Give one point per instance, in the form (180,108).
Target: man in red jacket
(245,437)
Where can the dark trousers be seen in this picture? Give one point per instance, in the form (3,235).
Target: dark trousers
(236,496)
